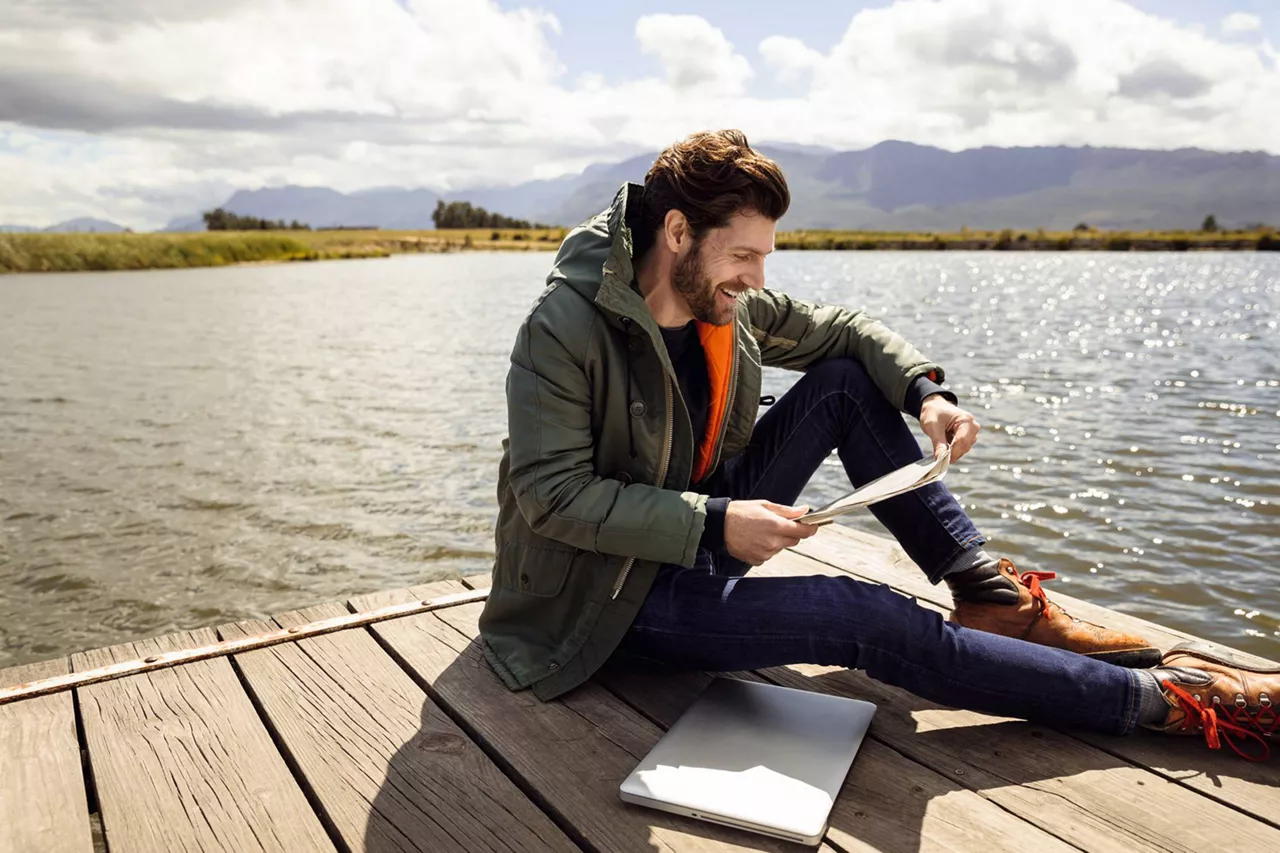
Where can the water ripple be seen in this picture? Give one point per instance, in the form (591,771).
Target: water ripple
(193,447)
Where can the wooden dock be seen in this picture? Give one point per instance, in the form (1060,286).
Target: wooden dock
(398,737)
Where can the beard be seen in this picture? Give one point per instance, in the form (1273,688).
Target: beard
(703,295)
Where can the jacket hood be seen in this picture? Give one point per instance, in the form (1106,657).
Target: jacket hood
(595,258)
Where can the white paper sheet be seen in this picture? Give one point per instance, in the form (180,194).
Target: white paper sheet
(905,479)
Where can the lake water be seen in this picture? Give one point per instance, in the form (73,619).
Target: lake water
(187,448)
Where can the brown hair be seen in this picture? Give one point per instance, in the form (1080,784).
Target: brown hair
(709,177)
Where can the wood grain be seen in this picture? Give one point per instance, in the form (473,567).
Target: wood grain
(182,762)
(1253,787)
(888,803)
(480,580)
(43,804)
(1093,798)
(387,767)
(570,755)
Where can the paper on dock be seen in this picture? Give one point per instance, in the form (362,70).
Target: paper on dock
(905,479)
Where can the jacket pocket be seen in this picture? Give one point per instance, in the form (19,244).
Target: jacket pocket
(531,570)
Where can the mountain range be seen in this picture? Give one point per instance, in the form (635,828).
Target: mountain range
(892,186)
(83,224)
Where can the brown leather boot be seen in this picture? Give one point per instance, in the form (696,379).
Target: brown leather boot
(1237,705)
(1036,619)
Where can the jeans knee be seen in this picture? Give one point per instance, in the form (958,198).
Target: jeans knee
(844,372)
(848,375)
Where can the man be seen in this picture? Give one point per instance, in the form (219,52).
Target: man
(636,489)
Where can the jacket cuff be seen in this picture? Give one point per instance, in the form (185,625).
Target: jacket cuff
(713,529)
(920,389)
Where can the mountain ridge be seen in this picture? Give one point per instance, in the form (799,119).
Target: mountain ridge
(891,186)
(81,224)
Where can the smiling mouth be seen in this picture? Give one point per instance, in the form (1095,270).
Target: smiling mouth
(728,294)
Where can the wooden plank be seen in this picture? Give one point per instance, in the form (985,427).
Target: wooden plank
(1249,786)
(222,648)
(1091,798)
(43,804)
(181,761)
(570,755)
(481,580)
(383,762)
(888,803)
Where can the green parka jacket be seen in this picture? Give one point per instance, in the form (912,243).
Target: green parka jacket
(597,485)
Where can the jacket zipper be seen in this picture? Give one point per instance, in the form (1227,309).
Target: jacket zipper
(728,407)
(662,478)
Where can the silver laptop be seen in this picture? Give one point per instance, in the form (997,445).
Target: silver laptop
(755,756)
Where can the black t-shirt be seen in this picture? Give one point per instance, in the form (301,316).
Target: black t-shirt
(690,363)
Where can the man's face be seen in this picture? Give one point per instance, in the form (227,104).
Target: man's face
(723,265)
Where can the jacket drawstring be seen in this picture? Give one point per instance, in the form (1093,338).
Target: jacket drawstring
(631,437)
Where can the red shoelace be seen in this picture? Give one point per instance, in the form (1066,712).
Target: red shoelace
(1218,729)
(1031,580)
(1235,720)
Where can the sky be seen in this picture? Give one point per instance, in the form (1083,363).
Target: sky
(139,111)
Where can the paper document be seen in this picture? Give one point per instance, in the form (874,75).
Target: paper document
(905,479)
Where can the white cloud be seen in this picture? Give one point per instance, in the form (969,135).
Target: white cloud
(695,56)
(433,60)
(1241,22)
(960,73)
(138,111)
(790,57)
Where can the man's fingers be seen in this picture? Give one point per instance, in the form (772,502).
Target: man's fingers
(782,543)
(966,435)
(786,511)
(936,431)
(800,531)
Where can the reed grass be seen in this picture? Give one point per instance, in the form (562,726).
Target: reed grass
(74,252)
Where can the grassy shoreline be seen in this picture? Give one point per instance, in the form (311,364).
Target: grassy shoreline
(79,252)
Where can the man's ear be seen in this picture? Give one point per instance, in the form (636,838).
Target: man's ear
(675,231)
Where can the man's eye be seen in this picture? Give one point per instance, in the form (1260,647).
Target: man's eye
(743,258)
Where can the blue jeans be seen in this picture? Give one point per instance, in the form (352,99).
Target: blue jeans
(716,617)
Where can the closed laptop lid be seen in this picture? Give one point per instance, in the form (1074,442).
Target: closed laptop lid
(756,755)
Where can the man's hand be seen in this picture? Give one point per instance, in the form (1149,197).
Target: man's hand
(755,531)
(946,423)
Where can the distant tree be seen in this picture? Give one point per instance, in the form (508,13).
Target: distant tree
(222,220)
(1210,224)
(1083,226)
(463,214)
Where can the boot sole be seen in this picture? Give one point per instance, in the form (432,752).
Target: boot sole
(1204,651)
(1130,658)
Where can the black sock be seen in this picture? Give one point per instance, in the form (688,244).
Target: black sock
(982,583)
